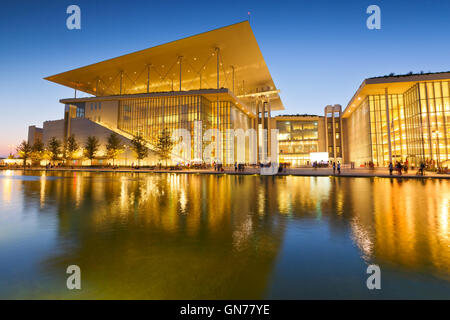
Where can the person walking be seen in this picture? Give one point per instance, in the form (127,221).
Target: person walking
(235,167)
(399,168)
(422,167)
(339,167)
(391,168)
(334,167)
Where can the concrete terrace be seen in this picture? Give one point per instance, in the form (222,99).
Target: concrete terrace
(319,172)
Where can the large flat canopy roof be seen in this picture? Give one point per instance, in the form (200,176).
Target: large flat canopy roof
(195,58)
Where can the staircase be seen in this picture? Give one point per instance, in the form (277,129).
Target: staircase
(130,137)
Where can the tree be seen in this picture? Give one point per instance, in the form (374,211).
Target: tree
(24,150)
(139,147)
(54,148)
(114,146)
(164,145)
(70,147)
(38,151)
(91,147)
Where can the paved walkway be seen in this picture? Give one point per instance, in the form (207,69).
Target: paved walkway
(345,172)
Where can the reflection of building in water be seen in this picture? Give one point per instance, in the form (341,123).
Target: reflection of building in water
(164,236)
(395,230)
(403,223)
(200,236)
(7,187)
(309,193)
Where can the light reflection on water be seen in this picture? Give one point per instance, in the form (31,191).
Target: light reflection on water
(179,236)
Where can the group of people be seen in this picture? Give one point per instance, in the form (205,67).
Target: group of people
(338,166)
(265,165)
(320,164)
(404,167)
(369,164)
(239,167)
(218,167)
(399,167)
(282,167)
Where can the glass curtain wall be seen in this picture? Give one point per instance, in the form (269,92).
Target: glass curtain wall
(435,111)
(413,117)
(398,127)
(379,128)
(221,119)
(419,125)
(296,139)
(359,137)
(149,116)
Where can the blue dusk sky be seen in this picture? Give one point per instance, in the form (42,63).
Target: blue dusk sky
(318,52)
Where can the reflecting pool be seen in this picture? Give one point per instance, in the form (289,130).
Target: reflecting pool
(192,236)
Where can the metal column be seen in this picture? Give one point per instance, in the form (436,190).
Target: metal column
(264,136)
(388,125)
(148,78)
(232,67)
(181,58)
(269,135)
(121,80)
(218,67)
(218,145)
(257,130)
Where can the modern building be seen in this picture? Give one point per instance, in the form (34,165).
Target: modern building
(218,77)
(389,119)
(399,118)
(216,81)
(298,137)
(35,134)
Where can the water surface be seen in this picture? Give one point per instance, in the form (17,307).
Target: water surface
(180,236)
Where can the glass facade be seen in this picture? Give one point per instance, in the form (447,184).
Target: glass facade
(415,123)
(428,121)
(149,116)
(358,135)
(296,139)
(379,128)
(413,119)
(80,111)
